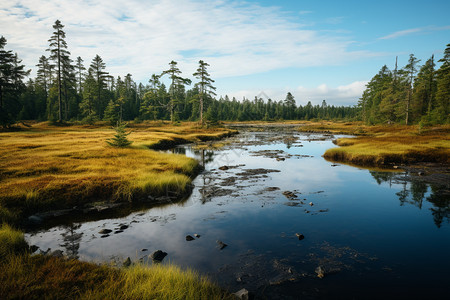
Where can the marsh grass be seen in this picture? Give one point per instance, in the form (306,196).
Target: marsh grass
(47,167)
(385,145)
(11,241)
(45,277)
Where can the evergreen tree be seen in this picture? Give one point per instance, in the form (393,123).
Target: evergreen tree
(177,83)
(11,74)
(80,73)
(289,103)
(58,53)
(204,85)
(410,69)
(97,68)
(120,139)
(440,113)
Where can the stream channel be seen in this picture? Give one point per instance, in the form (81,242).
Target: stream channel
(294,224)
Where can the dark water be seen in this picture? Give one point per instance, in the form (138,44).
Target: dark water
(370,233)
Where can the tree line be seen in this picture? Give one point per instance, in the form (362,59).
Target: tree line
(65,90)
(412,94)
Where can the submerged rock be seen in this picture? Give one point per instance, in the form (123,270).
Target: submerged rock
(300,236)
(158,255)
(189,238)
(221,244)
(197,235)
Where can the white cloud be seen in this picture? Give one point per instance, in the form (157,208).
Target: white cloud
(401,33)
(142,37)
(341,95)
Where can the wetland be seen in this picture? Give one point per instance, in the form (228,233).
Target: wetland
(271,215)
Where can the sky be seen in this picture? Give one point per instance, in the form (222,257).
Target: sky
(317,50)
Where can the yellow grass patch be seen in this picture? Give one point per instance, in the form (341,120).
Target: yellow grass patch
(380,145)
(47,167)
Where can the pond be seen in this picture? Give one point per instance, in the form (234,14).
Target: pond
(294,224)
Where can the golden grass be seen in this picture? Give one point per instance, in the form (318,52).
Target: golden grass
(384,145)
(11,241)
(45,167)
(44,277)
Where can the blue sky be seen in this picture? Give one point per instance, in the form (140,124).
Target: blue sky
(314,49)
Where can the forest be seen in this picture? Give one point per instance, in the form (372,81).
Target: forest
(64,90)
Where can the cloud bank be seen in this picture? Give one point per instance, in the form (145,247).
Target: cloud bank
(142,37)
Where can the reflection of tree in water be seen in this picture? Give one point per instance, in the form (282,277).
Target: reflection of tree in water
(206,156)
(414,192)
(72,240)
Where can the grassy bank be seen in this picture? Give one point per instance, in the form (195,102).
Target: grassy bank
(47,167)
(44,277)
(386,145)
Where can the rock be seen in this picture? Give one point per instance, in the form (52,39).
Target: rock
(105,231)
(290,195)
(197,235)
(271,189)
(223,168)
(280,159)
(242,294)
(35,219)
(123,227)
(320,272)
(300,236)
(127,262)
(310,203)
(189,238)
(56,253)
(145,249)
(421,173)
(104,236)
(158,255)
(118,231)
(221,244)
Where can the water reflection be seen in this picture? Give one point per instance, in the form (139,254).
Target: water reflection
(415,192)
(71,240)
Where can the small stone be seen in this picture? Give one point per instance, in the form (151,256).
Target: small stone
(300,236)
(221,244)
(310,203)
(143,250)
(189,238)
(280,159)
(127,262)
(197,235)
(105,231)
(158,255)
(118,231)
(320,272)
(242,294)
(104,236)
(123,227)
(223,168)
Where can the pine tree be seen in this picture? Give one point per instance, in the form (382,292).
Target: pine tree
(97,68)
(11,74)
(204,86)
(177,83)
(58,53)
(80,75)
(120,138)
(411,70)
